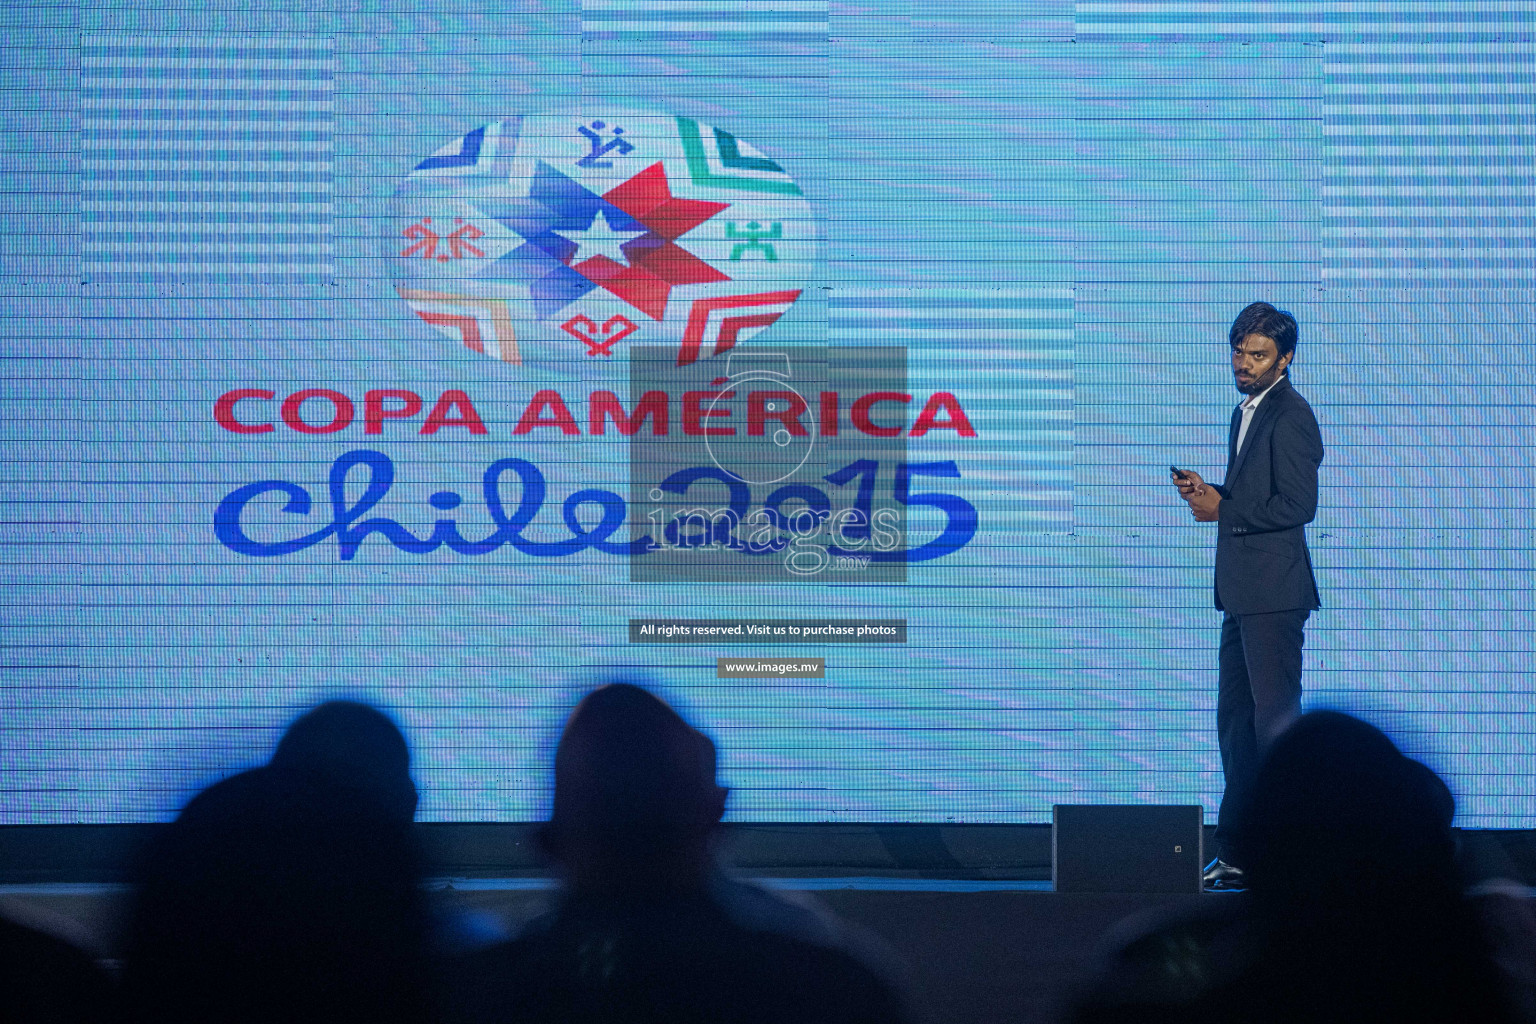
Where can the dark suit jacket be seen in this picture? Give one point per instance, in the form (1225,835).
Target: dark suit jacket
(1262,564)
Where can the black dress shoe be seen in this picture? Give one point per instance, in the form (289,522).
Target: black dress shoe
(1221,876)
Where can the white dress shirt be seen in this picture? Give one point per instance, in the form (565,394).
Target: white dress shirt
(1249,407)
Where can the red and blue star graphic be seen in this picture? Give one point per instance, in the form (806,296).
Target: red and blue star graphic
(643,206)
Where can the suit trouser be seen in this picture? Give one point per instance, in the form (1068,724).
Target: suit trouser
(1259,695)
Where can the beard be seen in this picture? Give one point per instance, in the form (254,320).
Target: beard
(1258,383)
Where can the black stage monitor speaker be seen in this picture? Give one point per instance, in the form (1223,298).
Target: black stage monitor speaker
(1135,848)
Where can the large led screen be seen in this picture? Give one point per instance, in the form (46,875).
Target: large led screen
(459,355)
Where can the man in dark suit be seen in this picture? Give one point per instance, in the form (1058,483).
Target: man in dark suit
(1264,581)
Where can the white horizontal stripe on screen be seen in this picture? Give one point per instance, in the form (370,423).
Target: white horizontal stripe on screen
(1063,293)
(122,69)
(709,27)
(1314,28)
(311,221)
(1427,168)
(1470,93)
(318,160)
(1449,191)
(172,272)
(1383,51)
(242,124)
(1422,230)
(917,309)
(1479,273)
(215,248)
(311,108)
(231,40)
(971,334)
(1432,150)
(226,175)
(1470,106)
(1439,251)
(285,74)
(1321,8)
(1402,132)
(134,90)
(1397,212)
(737,7)
(160,209)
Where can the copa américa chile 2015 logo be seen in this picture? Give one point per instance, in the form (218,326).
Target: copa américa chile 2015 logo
(560,239)
(559,244)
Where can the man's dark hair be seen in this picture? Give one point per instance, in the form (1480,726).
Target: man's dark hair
(1275,324)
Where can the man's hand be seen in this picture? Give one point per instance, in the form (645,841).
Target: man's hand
(1201,496)
(1188,484)
(1202,504)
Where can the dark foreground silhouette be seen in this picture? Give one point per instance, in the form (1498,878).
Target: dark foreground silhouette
(45,980)
(289,893)
(1355,911)
(649,928)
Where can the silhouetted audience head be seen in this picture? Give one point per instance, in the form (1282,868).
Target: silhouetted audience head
(649,927)
(1334,790)
(636,802)
(1354,914)
(289,892)
(1359,910)
(352,748)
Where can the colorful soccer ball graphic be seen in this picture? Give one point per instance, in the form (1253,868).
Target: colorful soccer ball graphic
(557,241)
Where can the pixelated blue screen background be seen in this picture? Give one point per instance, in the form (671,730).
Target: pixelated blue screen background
(1056,208)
